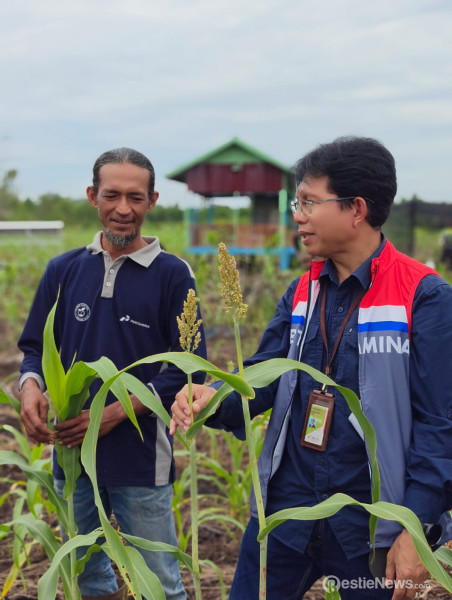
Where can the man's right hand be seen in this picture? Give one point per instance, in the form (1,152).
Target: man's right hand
(181,409)
(34,411)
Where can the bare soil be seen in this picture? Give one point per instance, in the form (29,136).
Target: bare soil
(214,542)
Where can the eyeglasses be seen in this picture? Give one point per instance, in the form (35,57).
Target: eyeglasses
(304,207)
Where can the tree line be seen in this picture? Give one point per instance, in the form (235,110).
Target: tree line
(78,211)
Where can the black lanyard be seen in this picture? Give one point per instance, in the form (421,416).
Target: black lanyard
(350,311)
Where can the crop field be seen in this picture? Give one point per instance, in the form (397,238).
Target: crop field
(224,484)
(225,479)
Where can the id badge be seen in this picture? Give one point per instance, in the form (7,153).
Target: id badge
(318,420)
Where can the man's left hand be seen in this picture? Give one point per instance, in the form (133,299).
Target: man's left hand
(404,568)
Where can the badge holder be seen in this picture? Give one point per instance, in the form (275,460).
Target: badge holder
(318,420)
(321,403)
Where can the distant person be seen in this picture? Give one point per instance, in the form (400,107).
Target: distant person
(446,248)
(119,297)
(380,323)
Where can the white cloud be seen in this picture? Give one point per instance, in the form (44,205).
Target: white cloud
(174,79)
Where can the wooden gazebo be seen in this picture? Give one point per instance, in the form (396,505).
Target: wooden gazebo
(232,170)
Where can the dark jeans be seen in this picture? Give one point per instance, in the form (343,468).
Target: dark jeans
(290,574)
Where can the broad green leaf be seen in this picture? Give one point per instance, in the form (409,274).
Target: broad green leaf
(190,363)
(88,457)
(119,554)
(81,562)
(52,368)
(219,574)
(159,547)
(186,362)
(382,510)
(15,569)
(5,399)
(444,554)
(35,498)
(224,519)
(108,372)
(22,441)
(40,531)
(20,531)
(146,397)
(71,467)
(262,374)
(148,582)
(47,586)
(144,394)
(88,449)
(78,379)
(42,477)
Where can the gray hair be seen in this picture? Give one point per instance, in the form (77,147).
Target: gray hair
(123,156)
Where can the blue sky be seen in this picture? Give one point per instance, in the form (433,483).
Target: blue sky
(174,79)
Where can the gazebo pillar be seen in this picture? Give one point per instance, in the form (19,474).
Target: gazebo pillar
(284,256)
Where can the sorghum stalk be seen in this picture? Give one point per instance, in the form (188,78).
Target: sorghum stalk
(189,341)
(194,505)
(72,532)
(254,473)
(232,296)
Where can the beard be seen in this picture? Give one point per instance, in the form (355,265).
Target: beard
(120,241)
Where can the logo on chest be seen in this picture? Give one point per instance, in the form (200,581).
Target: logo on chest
(82,312)
(128,319)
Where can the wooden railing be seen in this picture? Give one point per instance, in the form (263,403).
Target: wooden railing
(242,236)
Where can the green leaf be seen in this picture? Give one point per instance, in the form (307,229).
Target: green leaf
(116,550)
(159,547)
(6,399)
(382,510)
(109,373)
(186,362)
(71,467)
(88,449)
(146,397)
(22,441)
(52,368)
(81,562)
(40,531)
(262,374)
(219,574)
(444,554)
(78,379)
(47,585)
(190,363)
(148,582)
(42,477)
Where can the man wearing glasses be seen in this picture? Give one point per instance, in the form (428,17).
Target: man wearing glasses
(379,323)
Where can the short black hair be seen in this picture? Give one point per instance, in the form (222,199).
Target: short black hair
(355,166)
(123,156)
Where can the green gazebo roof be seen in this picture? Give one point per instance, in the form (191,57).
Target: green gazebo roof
(234,152)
